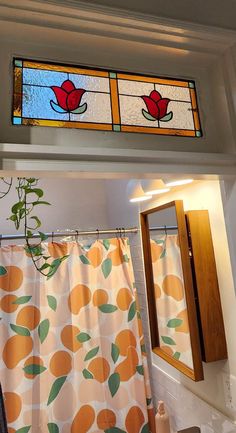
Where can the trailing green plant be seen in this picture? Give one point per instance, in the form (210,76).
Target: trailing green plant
(23,212)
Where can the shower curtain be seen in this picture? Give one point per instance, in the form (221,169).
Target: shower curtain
(173,326)
(73,355)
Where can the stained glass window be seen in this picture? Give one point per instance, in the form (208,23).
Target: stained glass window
(78,97)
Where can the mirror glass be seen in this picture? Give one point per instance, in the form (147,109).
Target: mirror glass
(170,299)
(172,309)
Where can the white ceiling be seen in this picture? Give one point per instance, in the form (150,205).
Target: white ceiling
(220,13)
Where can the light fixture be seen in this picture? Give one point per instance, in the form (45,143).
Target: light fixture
(177,182)
(136,193)
(154,186)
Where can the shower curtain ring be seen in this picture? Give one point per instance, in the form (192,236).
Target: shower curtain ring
(97,234)
(52,237)
(76,236)
(0,241)
(165,228)
(123,229)
(117,232)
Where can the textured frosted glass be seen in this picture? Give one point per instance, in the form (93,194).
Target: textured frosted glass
(182,116)
(43,78)
(98,108)
(36,103)
(137,88)
(78,97)
(131,112)
(95,84)
(174,92)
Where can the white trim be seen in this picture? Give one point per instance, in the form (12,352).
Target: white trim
(113,22)
(126,162)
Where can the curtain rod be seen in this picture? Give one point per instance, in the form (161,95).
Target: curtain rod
(118,231)
(163,228)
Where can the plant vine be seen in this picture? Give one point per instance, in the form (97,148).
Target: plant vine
(29,195)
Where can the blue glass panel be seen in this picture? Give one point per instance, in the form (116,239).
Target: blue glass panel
(36,104)
(17,120)
(43,78)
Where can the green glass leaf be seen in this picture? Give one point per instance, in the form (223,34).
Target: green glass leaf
(168,340)
(174,323)
(81,109)
(106,267)
(87,374)
(145,428)
(84,260)
(177,355)
(43,329)
(114,430)
(53,428)
(148,400)
(148,116)
(132,311)
(20,330)
(34,369)
(22,300)
(52,302)
(114,383)
(167,117)
(55,389)
(91,353)
(107,308)
(106,244)
(139,369)
(82,337)
(115,352)
(3,270)
(24,429)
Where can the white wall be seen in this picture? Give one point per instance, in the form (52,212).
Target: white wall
(75,204)
(189,403)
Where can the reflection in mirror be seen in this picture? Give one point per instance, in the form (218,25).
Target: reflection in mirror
(170,299)
(172,310)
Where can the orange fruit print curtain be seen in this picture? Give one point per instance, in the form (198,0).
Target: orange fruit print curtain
(73,357)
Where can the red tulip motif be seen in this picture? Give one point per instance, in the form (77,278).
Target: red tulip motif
(68,98)
(157,107)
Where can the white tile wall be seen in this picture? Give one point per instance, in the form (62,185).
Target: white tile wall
(185,408)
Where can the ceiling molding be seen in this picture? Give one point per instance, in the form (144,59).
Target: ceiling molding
(114,23)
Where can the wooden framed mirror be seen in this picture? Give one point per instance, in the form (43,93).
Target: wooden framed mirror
(170,290)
